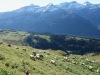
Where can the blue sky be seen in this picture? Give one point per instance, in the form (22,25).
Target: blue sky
(8,5)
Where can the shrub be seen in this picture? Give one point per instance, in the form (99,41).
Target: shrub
(2,57)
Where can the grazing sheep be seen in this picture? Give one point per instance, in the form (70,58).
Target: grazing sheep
(53,62)
(86,65)
(17,48)
(98,71)
(92,61)
(75,62)
(83,63)
(62,59)
(88,60)
(34,53)
(32,57)
(90,68)
(74,58)
(46,55)
(67,58)
(55,57)
(39,56)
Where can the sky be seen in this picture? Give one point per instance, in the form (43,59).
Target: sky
(9,5)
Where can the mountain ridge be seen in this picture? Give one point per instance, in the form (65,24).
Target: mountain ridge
(52,19)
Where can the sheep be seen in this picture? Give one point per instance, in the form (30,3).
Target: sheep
(34,53)
(62,59)
(67,59)
(46,55)
(39,56)
(74,58)
(98,71)
(32,57)
(87,59)
(83,63)
(55,57)
(93,61)
(90,68)
(16,47)
(53,62)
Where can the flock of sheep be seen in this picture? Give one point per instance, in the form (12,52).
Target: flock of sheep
(74,60)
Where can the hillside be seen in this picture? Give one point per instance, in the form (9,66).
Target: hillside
(13,37)
(67,43)
(15,60)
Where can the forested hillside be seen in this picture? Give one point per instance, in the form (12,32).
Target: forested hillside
(74,44)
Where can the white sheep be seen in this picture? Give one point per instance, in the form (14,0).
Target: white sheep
(39,56)
(32,57)
(98,71)
(55,57)
(16,47)
(90,67)
(66,57)
(53,62)
(46,55)
(83,63)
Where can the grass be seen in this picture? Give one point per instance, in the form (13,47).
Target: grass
(15,61)
(13,37)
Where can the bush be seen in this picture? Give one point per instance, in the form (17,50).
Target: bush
(7,64)
(2,57)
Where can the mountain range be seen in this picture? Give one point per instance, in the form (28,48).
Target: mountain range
(66,18)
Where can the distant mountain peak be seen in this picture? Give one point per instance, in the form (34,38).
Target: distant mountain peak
(49,5)
(33,5)
(87,3)
(73,2)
